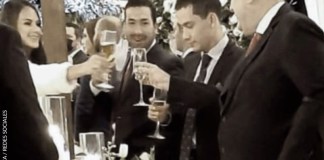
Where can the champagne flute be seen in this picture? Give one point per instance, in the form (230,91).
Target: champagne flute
(108,40)
(159,100)
(139,55)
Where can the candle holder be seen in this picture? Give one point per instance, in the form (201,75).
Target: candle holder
(54,109)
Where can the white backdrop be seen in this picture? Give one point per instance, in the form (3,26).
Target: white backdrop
(315,10)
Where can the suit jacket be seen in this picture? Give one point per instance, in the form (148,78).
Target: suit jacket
(298,5)
(132,124)
(265,90)
(207,118)
(79,57)
(305,138)
(24,125)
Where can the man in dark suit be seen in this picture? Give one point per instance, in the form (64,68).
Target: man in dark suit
(279,74)
(192,18)
(305,140)
(132,124)
(75,55)
(24,129)
(74,36)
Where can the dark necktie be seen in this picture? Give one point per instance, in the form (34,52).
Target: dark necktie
(189,124)
(254,41)
(203,69)
(127,70)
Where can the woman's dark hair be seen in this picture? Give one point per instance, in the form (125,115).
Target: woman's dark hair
(10,14)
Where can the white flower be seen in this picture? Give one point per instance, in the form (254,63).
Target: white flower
(232,20)
(159,20)
(168,5)
(237,32)
(223,2)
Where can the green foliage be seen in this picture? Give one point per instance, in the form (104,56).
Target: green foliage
(165,27)
(164,24)
(240,40)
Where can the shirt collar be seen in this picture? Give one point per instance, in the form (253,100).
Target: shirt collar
(217,50)
(70,56)
(265,21)
(153,43)
(189,50)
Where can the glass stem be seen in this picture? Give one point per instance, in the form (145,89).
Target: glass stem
(157,128)
(141,91)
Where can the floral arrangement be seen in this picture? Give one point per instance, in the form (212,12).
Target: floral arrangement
(165,13)
(91,9)
(84,10)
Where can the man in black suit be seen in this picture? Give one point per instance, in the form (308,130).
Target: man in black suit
(192,18)
(279,74)
(24,129)
(75,55)
(74,36)
(305,140)
(132,124)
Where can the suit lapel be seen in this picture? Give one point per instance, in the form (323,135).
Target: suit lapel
(79,57)
(221,64)
(191,64)
(152,57)
(244,64)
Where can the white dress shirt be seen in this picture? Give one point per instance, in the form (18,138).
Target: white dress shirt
(265,21)
(70,56)
(215,54)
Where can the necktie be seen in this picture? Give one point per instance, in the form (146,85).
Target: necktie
(203,69)
(189,125)
(188,130)
(254,41)
(127,70)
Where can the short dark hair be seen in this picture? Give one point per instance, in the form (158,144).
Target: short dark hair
(77,29)
(142,3)
(10,14)
(201,7)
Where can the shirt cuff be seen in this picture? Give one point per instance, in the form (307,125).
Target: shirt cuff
(95,91)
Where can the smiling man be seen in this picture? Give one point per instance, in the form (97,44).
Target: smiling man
(132,124)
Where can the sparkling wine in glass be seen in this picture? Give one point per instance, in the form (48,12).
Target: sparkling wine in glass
(108,40)
(139,55)
(159,100)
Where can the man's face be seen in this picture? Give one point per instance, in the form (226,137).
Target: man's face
(176,41)
(195,30)
(70,35)
(139,27)
(245,15)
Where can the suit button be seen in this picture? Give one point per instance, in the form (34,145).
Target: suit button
(224,119)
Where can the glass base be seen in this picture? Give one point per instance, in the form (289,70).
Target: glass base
(141,104)
(156,136)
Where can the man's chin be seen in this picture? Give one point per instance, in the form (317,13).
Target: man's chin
(138,45)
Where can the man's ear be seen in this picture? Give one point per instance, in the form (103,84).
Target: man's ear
(213,19)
